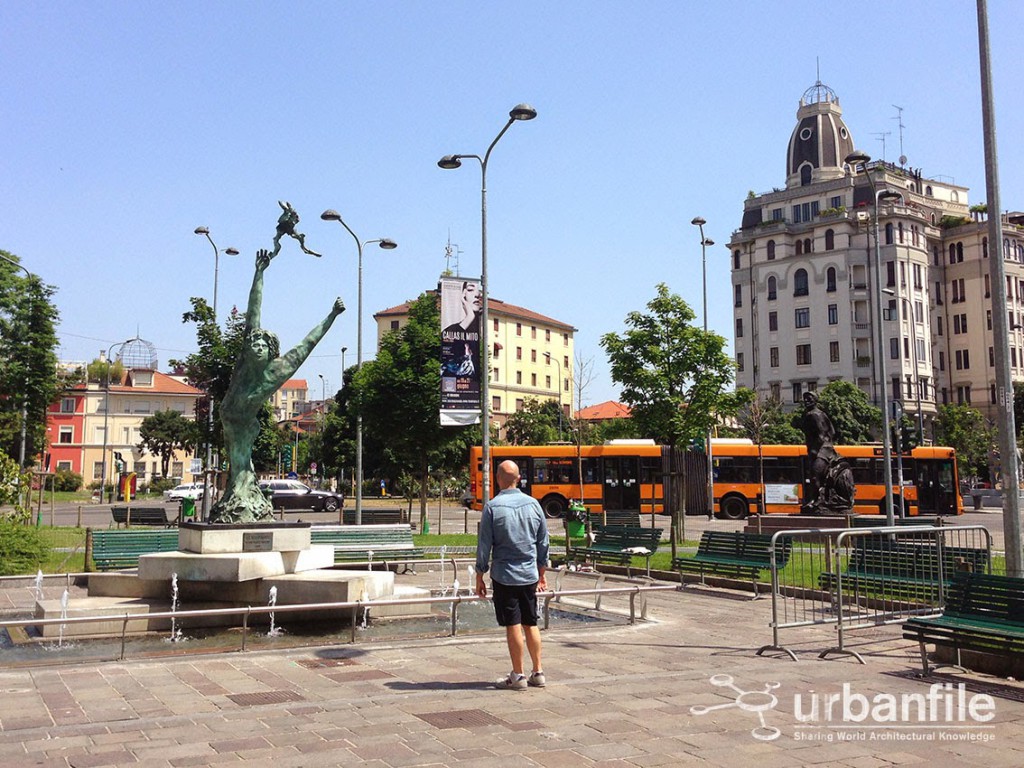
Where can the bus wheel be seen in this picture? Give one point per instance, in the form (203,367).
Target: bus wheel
(553,506)
(733,508)
(900,507)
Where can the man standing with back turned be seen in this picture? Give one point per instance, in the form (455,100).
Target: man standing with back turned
(514,531)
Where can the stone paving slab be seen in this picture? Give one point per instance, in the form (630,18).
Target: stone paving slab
(619,696)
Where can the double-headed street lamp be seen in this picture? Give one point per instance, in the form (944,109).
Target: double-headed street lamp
(551,357)
(448,162)
(917,375)
(699,222)
(877,195)
(209,416)
(388,245)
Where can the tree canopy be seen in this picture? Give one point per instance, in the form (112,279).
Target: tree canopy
(964,429)
(673,373)
(165,432)
(854,418)
(536,423)
(28,360)
(764,421)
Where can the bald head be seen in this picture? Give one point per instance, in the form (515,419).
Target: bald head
(508,475)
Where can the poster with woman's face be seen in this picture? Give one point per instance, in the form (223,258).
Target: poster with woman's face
(461,304)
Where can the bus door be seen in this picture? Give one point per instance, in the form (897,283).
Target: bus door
(936,491)
(621,483)
(526,479)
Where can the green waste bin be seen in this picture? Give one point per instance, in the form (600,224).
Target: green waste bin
(576,520)
(575,528)
(188,509)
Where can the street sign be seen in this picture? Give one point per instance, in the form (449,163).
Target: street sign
(196,466)
(312,467)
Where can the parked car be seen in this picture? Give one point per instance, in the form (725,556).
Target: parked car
(293,495)
(192,491)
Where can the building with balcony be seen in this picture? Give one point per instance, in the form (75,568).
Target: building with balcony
(531,355)
(804,300)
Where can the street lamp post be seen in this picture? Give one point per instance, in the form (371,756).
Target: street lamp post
(388,245)
(917,374)
(448,162)
(854,159)
(551,357)
(209,415)
(106,415)
(699,222)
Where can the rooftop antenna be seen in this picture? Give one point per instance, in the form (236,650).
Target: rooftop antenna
(899,122)
(880,135)
(451,257)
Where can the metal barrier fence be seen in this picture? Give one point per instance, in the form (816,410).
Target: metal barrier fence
(866,577)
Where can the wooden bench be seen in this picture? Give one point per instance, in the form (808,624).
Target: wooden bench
(734,554)
(373,516)
(983,612)
(879,521)
(110,550)
(356,543)
(617,517)
(619,544)
(132,515)
(903,570)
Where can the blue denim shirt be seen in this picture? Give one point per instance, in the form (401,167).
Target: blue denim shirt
(514,531)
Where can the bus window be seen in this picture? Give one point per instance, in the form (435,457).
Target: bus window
(591,473)
(735,469)
(650,469)
(865,470)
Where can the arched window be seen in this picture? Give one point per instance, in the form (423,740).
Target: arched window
(928,191)
(830,239)
(735,259)
(799,247)
(900,229)
(952,253)
(800,283)
(830,280)
(772,288)
(1006,247)
(808,245)
(984,247)
(959,252)
(805,175)
(888,233)
(771,250)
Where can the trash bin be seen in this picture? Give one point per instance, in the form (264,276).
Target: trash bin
(977,500)
(575,520)
(188,509)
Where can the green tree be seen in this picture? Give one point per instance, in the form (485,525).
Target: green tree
(28,360)
(673,374)
(400,396)
(964,429)
(165,432)
(764,421)
(853,417)
(536,423)
(98,370)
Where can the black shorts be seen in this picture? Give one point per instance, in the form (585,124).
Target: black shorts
(515,604)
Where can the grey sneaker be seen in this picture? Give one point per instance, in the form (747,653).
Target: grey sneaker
(537,680)
(512,683)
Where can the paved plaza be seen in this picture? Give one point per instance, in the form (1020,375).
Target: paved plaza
(683,688)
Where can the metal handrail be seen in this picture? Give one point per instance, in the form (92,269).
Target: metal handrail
(353,606)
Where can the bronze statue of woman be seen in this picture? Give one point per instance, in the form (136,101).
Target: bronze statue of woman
(258,373)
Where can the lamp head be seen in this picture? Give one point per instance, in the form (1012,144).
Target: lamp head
(387,244)
(330,215)
(857,158)
(231,251)
(202,230)
(698,221)
(889,194)
(522,112)
(708,241)
(448,162)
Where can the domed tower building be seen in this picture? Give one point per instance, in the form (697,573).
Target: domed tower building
(803,264)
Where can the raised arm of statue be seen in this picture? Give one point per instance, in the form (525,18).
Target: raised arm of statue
(252,312)
(284,367)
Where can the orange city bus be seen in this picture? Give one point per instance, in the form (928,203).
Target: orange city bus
(628,476)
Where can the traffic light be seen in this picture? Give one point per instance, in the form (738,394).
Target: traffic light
(118,462)
(286,457)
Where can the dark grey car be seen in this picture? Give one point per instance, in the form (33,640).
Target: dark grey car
(291,495)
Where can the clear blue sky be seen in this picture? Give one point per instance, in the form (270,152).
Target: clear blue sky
(128,124)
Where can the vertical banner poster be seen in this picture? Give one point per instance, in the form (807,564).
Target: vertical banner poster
(461,304)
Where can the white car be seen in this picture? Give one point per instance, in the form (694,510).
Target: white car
(185,491)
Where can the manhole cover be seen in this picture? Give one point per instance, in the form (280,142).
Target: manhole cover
(320,663)
(460,718)
(267,697)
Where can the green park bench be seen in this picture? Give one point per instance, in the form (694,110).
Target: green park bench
(734,554)
(618,545)
(983,612)
(111,549)
(354,543)
(374,516)
(901,570)
(133,515)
